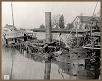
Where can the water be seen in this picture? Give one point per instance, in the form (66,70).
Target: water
(27,69)
(42,35)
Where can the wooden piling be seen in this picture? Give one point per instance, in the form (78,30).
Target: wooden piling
(48,39)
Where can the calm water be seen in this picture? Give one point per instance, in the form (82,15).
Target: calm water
(26,68)
(42,35)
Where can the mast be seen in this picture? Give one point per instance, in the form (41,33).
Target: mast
(12,14)
(13,49)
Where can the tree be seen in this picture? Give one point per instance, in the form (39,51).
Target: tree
(61,22)
(42,26)
(69,26)
(55,21)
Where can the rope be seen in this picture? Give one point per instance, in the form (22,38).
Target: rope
(91,23)
(95,8)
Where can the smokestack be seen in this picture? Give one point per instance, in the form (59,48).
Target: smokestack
(48,26)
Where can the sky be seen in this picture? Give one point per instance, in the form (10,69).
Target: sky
(32,14)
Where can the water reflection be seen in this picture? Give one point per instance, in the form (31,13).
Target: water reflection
(25,68)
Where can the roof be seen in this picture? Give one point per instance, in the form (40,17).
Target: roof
(10,26)
(88,18)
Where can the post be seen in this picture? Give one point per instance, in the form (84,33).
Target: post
(77,33)
(48,39)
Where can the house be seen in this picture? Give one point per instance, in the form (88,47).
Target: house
(84,22)
(10,34)
(10,27)
(10,31)
(89,25)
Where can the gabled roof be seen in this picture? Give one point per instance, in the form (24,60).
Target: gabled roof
(88,18)
(10,26)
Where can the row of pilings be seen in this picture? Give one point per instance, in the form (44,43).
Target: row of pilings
(27,50)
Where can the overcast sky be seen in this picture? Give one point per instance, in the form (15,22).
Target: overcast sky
(32,14)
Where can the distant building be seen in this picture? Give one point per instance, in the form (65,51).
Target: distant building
(10,27)
(90,26)
(83,22)
(10,34)
(10,31)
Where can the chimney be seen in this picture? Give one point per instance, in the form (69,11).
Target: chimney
(48,26)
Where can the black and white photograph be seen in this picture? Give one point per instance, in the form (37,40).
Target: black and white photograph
(51,40)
